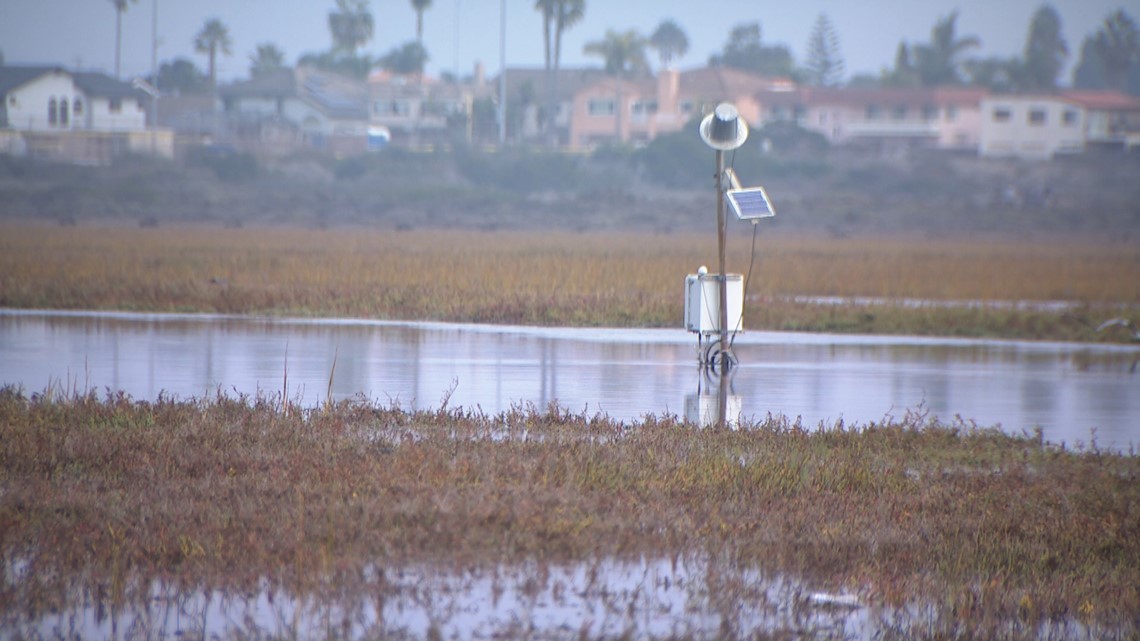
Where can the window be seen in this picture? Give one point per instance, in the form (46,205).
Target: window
(874,112)
(63,112)
(1037,117)
(929,112)
(1069,117)
(392,108)
(952,113)
(643,107)
(799,113)
(77,107)
(1002,114)
(52,115)
(115,105)
(598,107)
(899,112)
(686,106)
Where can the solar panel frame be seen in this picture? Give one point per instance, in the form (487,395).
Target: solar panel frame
(751,203)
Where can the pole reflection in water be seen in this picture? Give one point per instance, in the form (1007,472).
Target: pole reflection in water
(1066,389)
(715,404)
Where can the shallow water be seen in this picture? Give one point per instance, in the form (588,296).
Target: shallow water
(1073,392)
(644,598)
(648,598)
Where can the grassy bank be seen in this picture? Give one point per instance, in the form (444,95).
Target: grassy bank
(993,533)
(566,278)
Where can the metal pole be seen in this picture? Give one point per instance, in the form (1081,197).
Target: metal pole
(154,77)
(503,73)
(723,276)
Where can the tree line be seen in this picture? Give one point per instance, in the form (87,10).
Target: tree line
(1108,58)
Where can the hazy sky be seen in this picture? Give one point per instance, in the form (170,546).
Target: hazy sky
(457,33)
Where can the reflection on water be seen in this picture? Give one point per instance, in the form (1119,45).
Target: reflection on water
(1068,390)
(677,598)
(647,598)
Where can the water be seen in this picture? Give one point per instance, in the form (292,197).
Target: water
(1072,392)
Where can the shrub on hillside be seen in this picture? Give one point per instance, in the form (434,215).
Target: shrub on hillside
(228,164)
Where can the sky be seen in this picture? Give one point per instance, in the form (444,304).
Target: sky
(80,34)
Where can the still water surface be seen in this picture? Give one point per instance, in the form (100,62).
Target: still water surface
(1073,392)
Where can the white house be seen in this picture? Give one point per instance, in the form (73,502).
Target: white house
(1033,127)
(75,116)
(52,99)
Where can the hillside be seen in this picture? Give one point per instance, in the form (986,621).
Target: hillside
(838,192)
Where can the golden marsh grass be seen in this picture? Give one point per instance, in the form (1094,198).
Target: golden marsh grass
(565,278)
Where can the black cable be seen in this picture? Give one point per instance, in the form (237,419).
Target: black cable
(751,262)
(747,279)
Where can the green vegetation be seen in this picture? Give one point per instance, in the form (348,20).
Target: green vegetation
(665,186)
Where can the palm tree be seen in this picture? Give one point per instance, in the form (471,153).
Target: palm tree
(267,59)
(624,56)
(351,25)
(557,17)
(567,14)
(623,53)
(420,6)
(669,40)
(213,37)
(937,62)
(120,7)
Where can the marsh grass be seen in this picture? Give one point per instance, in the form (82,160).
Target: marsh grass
(988,529)
(564,278)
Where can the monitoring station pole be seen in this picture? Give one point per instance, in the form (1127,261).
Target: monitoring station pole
(721,234)
(723,130)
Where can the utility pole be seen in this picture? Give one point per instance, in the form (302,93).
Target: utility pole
(721,238)
(503,74)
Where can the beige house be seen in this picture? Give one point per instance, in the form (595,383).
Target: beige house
(613,110)
(944,117)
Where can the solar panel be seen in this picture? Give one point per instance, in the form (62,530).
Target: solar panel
(751,203)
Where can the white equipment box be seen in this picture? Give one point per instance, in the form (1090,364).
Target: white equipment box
(702,303)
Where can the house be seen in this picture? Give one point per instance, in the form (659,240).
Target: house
(1112,118)
(78,116)
(531,91)
(301,106)
(941,117)
(637,110)
(1031,126)
(54,99)
(419,110)
(1042,126)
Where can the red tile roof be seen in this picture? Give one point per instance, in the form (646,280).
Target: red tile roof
(884,96)
(1103,100)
